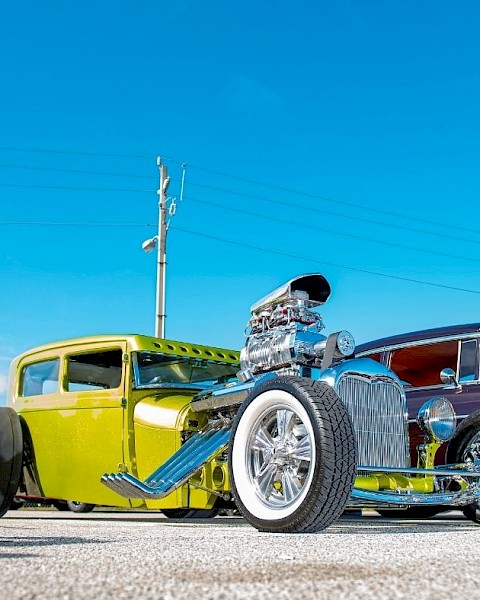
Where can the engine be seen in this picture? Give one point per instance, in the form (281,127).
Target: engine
(283,333)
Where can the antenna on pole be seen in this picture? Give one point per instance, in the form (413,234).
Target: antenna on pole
(165,213)
(164,181)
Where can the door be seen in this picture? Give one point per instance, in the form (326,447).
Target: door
(76,422)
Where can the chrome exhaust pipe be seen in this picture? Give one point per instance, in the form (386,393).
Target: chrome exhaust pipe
(176,471)
(113,484)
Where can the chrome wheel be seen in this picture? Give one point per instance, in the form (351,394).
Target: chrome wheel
(465,447)
(280,457)
(472,452)
(79,507)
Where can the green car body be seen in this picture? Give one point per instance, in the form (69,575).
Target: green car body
(83,412)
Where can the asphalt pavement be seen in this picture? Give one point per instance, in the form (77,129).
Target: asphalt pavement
(46,554)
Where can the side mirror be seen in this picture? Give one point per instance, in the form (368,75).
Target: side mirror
(447,376)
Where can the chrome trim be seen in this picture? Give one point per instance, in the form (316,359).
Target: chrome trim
(470,469)
(421,342)
(459,338)
(377,406)
(414,421)
(363,367)
(404,498)
(441,386)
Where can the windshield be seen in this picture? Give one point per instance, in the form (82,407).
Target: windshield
(152,369)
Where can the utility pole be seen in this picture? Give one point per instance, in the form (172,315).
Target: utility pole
(166,208)
(161,249)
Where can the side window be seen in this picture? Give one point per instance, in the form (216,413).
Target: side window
(40,378)
(94,371)
(468,361)
(419,366)
(375,356)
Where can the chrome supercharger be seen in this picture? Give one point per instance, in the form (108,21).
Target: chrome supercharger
(284,333)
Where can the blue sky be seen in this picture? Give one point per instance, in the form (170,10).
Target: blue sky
(333,137)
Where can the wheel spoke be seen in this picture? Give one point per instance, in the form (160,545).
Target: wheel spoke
(302,450)
(472,451)
(263,441)
(291,486)
(265,478)
(285,423)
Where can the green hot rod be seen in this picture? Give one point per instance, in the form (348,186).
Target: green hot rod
(291,432)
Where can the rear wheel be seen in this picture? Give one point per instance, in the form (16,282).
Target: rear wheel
(80,507)
(11,457)
(464,447)
(292,457)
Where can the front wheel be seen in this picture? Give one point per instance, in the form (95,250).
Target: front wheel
(292,457)
(464,447)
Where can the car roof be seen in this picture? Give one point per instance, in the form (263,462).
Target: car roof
(423,334)
(140,342)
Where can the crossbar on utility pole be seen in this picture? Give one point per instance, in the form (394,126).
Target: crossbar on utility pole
(161,250)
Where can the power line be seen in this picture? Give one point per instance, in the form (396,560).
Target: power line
(254,182)
(145,191)
(333,200)
(279,202)
(341,233)
(233,192)
(323,262)
(237,210)
(74,152)
(74,188)
(262,184)
(346,216)
(73,224)
(75,171)
(244,245)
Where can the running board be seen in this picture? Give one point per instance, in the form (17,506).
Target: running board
(176,471)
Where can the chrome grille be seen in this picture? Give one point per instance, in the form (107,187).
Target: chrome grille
(378,411)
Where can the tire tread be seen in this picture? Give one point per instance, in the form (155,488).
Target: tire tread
(338,468)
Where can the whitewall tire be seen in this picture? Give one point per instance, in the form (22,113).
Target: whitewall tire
(292,456)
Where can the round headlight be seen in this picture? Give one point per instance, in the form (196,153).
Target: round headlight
(437,418)
(345,343)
